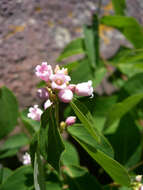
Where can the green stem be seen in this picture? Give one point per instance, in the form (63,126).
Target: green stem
(57,113)
(136,166)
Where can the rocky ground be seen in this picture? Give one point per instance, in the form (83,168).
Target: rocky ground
(37,30)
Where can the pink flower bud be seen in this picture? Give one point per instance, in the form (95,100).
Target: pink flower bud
(35,113)
(42,93)
(70,120)
(44,71)
(47,104)
(72,87)
(141,187)
(84,89)
(59,81)
(57,70)
(65,95)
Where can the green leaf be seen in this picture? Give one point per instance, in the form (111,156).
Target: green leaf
(6,172)
(100,111)
(85,72)
(121,54)
(53,186)
(15,141)
(91,43)
(134,85)
(86,118)
(70,155)
(127,131)
(99,75)
(119,6)
(72,65)
(8,153)
(31,125)
(135,158)
(50,139)
(120,109)
(128,61)
(73,48)
(82,65)
(128,26)
(112,167)
(20,179)
(39,180)
(79,178)
(125,188)
(12,144)
(130,69)
(9,111)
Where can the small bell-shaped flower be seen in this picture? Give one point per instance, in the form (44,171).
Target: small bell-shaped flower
(84,89)
(65,95)
(44,71)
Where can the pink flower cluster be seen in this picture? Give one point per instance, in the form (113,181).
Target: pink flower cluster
(58,84)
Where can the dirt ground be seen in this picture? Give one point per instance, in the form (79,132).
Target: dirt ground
(37,30)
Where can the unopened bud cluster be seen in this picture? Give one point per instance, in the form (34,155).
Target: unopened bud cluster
(57,86)
(137,184)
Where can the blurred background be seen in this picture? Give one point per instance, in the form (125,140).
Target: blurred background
(38,30)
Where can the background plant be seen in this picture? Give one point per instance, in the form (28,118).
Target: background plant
(109,128)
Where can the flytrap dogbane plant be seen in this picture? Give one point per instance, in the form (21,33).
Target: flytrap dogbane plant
(47,144)
(58,88)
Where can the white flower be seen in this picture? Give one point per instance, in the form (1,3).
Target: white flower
(35,113)
(26,159)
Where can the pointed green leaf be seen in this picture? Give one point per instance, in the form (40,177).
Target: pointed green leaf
(135,84)
(128,61)
(91,39)
(15,141)
(86,118)
(85,72)
(73,48)
(127,131)
(70,155)
(9,111)
(50,139)
(128,26)
(8,153)
(12,144)
(117,172)
(21,179)
(120,109)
